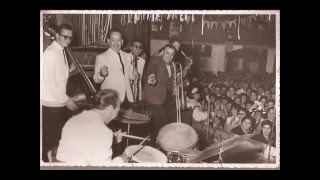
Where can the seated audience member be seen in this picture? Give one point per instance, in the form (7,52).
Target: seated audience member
(231,92)
(265,134)
(194,100)
(271,114)
(242,112)
(245,127)
(258,119)
(244,99)
(233,118)
(248,92)
(262,100)
(270,103)
(248,106)
(85,138)
(224,89)
(237,100)
(267,93)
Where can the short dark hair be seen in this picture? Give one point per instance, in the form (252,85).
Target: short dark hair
(249,102)
(105,98)
(251,120)
(270,100)
(114,30)
(263,97)
(266,122)
(63,26)
(254,91)
(243,109)
(135,40)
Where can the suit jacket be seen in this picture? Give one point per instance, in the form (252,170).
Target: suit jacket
(156,94)
(115,79)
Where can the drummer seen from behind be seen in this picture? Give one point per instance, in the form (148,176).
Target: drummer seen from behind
(85,137)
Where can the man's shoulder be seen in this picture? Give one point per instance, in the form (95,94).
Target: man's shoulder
(105,53)
(51,49)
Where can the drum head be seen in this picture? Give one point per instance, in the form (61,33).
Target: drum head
(177,136)
(146,155)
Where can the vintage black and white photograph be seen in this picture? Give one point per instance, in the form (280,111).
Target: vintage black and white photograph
(180,89)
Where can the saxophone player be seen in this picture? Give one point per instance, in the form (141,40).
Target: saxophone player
(137,66)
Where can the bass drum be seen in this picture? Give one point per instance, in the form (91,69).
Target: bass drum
(177,136)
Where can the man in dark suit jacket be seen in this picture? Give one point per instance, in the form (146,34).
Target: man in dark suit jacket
(158,89)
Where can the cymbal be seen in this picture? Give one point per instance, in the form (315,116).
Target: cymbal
(129,114)
(248,151)
(215,148)
(130,121)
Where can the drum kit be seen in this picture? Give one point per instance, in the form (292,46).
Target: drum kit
(178,141)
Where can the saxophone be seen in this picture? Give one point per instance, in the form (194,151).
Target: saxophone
(135,82)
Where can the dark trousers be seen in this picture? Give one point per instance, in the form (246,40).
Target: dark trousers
(159,118)
(171,109)
(53,120)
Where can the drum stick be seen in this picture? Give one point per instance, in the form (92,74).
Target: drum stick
(133,137)
(139,147)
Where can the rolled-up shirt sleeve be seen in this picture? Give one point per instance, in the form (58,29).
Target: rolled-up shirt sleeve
(98,64)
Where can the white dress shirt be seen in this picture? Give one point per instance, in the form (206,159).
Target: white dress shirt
(55,76)
(85,139)
(169,70)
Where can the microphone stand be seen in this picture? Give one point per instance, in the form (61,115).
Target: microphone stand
(208,118)
(220,158)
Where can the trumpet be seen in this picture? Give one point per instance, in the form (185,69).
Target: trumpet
(178,89)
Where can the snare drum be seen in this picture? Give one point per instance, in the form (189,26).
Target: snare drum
(146,155)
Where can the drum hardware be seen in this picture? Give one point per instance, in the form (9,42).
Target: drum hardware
(130,117)
(181,156)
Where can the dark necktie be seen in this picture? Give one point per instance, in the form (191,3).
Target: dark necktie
(121,63)
(64,56)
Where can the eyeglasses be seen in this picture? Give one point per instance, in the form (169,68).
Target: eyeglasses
(241,114)
(66,37)
(138,47)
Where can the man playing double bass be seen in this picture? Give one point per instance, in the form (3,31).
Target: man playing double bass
(54,99)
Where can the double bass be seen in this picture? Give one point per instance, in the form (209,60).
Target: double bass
(79,86)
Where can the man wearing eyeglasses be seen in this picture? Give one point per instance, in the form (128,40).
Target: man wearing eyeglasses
(54,99)
(136,49)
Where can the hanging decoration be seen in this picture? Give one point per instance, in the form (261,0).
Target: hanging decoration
(202,25)
(174,30)
(239,28)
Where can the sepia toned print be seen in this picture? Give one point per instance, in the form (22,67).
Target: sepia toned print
(159,89)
